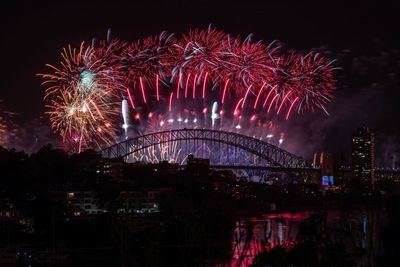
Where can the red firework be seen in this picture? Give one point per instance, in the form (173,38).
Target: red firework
(148,62)
(248,64)
(303,82)
(316,81)
(150,56)
(197,65)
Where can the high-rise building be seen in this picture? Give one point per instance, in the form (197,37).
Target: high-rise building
(363,156)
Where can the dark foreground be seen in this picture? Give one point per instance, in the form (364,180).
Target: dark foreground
(58,210)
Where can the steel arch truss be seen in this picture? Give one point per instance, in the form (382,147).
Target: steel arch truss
(266,151)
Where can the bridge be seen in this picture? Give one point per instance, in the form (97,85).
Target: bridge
(224,149)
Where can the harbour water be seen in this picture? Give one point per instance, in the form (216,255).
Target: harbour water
(261,233)
(358,230)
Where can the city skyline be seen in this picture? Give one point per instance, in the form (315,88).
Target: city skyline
(199,133)
(359,51)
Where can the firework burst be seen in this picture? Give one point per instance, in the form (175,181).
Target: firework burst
(303,82)
(248,63)
(82,96)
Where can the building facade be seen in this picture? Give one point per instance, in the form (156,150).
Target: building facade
(84,203)
(324,161)
(363,156)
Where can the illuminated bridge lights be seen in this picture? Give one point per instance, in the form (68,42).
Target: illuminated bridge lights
(223,148)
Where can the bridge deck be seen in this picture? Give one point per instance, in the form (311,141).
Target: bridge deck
(268,168)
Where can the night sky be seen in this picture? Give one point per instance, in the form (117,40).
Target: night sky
(364,37)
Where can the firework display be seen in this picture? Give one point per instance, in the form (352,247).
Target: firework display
(206,78)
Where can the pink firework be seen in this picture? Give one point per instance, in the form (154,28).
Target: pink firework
(303,82)
(198,64)
(148,62)
(200,50)
(316,82)
(150,56)
(248,63)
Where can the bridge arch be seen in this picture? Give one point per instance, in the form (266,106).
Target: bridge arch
(272,154)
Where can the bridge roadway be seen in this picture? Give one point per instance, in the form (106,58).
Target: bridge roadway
(267,168)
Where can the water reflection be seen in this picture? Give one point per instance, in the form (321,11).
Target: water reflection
(253,235)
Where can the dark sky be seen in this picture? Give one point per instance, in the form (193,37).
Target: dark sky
(362,35)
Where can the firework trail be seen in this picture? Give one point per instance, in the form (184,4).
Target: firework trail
(125,116)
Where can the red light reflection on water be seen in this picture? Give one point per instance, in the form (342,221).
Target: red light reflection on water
(258,234)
